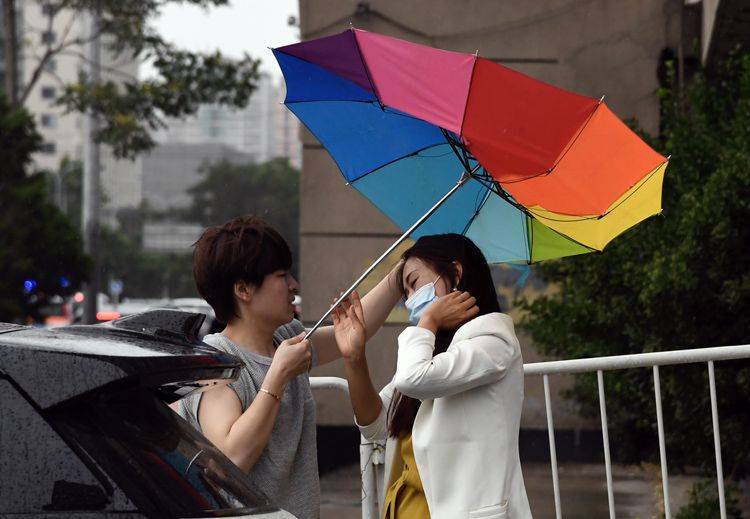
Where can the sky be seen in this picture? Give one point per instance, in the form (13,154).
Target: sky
(244,26)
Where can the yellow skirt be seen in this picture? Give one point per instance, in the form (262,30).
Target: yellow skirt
(405,499)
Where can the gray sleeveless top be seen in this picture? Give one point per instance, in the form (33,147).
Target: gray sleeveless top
(287,471)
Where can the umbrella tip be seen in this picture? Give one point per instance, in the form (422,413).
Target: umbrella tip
(476,53)
(669,157)
(601,99)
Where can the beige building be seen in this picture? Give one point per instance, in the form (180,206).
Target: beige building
(593,47)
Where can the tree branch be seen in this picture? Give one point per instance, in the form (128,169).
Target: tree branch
(49,53)
(11,51)
(112,70)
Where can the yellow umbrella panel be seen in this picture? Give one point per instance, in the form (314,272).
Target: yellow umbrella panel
(596,231)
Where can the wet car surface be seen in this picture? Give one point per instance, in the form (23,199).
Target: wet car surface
(86,430)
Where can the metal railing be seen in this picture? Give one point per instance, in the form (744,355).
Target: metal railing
(371,457)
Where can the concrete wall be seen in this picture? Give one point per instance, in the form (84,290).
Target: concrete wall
(593,47)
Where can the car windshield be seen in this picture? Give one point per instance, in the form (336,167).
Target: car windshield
(164,465)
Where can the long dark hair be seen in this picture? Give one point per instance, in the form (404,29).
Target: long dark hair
(439,252)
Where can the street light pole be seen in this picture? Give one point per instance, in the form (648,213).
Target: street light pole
(91,180)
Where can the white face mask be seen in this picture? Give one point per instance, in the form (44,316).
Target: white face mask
(420,300)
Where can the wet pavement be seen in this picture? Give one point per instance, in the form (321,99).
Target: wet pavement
(583,491)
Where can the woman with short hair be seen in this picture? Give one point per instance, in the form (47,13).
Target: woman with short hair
(265,420)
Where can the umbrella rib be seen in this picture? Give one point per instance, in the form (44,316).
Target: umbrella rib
(367,73)
(366,69)
(643,181)
(365,101)
(477,211)
(529,238)
(468,91)
(412,154)
(461,157)
(562,155)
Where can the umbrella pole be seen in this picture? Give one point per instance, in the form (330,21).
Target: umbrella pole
(461,181)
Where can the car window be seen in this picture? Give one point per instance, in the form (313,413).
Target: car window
(33,452)
(165,465)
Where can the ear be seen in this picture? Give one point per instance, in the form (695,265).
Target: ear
(243,291)
(459,272)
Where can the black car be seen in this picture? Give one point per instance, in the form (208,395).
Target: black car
(86,430)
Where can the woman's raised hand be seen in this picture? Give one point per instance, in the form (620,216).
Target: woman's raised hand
(349,328)
(449,312)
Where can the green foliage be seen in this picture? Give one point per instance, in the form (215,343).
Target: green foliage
(677,281)
(129,109)
(704,502)
(269,190)
(36,240)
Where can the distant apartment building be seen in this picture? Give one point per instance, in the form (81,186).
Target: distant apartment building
(170,170)
(167,173)
(175,237)
(259,132)
(62,133)
(264,128)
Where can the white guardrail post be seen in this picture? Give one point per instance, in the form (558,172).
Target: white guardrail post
(370,455)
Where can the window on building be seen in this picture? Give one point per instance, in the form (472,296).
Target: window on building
(48,148)
(50,65)
(49,120)
(48,10)
(48,92)
(48,37)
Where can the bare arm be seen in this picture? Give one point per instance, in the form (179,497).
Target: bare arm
(242,436)
(376,304)
(350,336)
(366,402)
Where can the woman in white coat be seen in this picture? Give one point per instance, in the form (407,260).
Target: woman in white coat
(451,415)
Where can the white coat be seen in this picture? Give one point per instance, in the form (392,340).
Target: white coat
(465,435)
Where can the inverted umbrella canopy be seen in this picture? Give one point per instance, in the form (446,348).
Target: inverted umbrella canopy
(552,173)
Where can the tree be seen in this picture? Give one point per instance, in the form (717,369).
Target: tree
(269,190)
(40,252)
(130,109)
(677,281)
(144,273)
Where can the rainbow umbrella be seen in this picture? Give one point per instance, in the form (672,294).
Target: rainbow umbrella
(445,142)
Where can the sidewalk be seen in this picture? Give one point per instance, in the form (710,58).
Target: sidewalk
(582,487)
